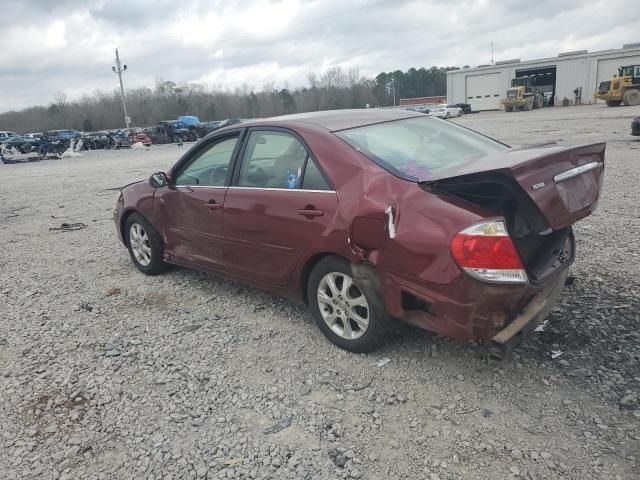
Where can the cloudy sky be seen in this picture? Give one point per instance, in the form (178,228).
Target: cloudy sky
(68,45)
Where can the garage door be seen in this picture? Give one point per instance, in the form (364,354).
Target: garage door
(484,92)
(609,67)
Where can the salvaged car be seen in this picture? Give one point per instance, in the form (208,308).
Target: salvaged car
(140,137)
(370,217)
(635,126)
(95,141)
(22,144)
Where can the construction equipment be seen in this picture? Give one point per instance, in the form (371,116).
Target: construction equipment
(623,88)
(523,95)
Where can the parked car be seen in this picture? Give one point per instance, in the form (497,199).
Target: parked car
(445,111)
(63,134)
(160,134)
(119,140)
(465,107)
(205,128)
(635,126)
(370,216)
(182,131)
(52,145)
(140,137)
(96,141)
(22,144)
(5,135)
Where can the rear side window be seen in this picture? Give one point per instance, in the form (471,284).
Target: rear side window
(415,148)
(313,178)
(272,160)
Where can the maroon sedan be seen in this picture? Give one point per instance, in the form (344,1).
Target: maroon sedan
(370,216)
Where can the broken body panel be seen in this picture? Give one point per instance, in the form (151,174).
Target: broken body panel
(397,233)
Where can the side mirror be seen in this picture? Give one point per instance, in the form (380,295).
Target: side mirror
(158,180)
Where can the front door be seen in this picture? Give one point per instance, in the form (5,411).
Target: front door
(277,208)
(191,207)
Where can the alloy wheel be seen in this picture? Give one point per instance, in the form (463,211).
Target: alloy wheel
(343,306)
(140,246)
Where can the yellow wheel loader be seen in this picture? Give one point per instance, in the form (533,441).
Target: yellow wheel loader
(522,95)
(623,88)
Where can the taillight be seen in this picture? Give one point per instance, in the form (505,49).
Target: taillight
(486,252)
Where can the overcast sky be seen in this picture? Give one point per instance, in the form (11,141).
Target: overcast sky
(68,45)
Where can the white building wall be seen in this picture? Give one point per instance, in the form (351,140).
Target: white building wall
(580,70)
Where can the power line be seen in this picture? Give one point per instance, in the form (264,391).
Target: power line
(250,35)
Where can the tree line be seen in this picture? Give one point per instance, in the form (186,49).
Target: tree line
(334,89)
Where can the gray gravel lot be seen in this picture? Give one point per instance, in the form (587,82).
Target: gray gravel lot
(106,373)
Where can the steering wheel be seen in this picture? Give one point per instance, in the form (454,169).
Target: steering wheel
(218,175)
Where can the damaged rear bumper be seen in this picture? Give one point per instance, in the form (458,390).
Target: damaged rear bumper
(526,322)
(502,314)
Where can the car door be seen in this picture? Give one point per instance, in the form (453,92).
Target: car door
(190,208)
(278,207)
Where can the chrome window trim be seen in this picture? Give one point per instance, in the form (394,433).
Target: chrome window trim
(282,189)
(199,186)
(574,172)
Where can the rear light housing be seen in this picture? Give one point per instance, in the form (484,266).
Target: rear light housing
(486,252)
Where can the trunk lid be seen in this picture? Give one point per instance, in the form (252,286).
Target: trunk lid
(563,182)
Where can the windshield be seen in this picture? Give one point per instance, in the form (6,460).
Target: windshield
(415,148)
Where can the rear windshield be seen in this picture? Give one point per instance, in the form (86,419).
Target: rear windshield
(416,148)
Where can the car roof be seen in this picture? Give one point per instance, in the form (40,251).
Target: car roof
(336,120)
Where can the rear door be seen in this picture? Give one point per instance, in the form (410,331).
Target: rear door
(277,209)
(191,207)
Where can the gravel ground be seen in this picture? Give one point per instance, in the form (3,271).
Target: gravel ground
(108,374)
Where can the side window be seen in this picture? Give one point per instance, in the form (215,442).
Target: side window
(272,160)
(210,166)
(313,179)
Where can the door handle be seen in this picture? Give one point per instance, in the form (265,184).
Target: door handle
(213,205)
(310,212)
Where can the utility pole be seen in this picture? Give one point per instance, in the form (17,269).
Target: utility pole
(393,86)
(492,53)
(119,69)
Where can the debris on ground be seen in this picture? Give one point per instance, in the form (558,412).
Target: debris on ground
(383,361)
(69,227)
(281,425)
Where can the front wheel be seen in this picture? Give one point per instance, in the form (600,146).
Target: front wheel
(631,97)
(347,316)
(145,245)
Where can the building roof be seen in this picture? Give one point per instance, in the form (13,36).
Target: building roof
(629,49)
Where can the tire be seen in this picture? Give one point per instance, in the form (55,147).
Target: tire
(148,260)
(631,97)
(508,109)
(613,103)
(447,116)
(377,325)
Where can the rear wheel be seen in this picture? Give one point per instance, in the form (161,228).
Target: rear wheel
(613,103)
(508,109)
(346,315)
(631,97)
(145,245)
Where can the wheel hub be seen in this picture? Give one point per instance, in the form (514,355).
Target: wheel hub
(343,306)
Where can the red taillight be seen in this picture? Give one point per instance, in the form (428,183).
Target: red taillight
(486,252)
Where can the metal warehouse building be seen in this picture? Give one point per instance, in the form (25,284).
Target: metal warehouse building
(485,86)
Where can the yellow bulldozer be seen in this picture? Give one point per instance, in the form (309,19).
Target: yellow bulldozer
(623,88)
(522,95)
